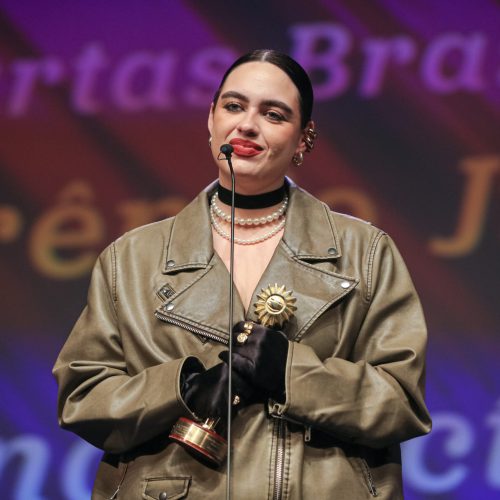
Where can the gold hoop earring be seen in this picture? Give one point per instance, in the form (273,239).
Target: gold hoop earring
(298,159)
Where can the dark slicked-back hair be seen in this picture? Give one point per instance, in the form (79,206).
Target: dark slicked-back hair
(292,68)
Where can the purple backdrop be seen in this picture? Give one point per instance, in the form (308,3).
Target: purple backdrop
(103,110)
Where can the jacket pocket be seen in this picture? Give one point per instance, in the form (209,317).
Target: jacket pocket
(166,488)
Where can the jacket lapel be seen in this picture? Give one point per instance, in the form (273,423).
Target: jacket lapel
(304,262)
(197,281)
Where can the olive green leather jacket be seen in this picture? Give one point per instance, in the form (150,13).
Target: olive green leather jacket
(354,375)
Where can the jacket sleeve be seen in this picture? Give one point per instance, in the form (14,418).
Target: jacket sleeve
(97,398)
(376,397)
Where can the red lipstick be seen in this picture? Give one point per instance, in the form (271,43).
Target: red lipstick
(244,147)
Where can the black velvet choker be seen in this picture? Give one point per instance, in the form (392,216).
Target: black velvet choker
(263,200)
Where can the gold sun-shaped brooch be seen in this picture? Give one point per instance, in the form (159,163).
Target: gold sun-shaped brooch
(275,306)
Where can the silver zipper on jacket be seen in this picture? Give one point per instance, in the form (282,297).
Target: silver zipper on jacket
(369,479)
(115,494)
(192,329)
(279,464)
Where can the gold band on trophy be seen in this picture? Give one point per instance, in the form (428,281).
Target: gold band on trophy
(200,439)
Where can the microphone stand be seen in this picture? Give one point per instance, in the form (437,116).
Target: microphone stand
(202,438)
(230,332)
(227,150)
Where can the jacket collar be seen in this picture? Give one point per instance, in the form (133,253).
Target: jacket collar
(310,231)
(302,263)
(191,244)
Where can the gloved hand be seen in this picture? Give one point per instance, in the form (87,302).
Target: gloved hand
(205,392)
(261,361)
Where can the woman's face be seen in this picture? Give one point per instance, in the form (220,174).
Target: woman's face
(257,113)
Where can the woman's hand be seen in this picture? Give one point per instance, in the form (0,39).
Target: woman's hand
(205,392)
(260,360)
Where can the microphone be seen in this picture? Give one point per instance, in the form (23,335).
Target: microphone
(227,150)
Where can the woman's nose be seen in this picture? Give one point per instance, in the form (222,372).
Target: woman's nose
(248,125)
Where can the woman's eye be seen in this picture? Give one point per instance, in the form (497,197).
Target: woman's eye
(275,116)
(232,106)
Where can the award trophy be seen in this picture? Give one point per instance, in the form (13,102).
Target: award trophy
(274,306)
(201,439)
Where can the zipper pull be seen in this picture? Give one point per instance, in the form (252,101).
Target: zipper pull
(114,494)
(307,434)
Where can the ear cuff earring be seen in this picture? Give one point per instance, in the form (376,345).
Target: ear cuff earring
(309,137)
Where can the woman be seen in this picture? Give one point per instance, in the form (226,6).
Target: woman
(325,394)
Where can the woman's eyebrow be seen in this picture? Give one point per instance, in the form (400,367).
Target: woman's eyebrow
(232,94)
(235,95)
(273,103)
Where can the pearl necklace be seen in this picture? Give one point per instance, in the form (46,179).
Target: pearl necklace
(241,221)
(240,241)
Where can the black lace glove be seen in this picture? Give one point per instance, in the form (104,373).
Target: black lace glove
(261,361)
(205,392)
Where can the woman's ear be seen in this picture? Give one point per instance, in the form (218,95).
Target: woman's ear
(211,118)
(308,136)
